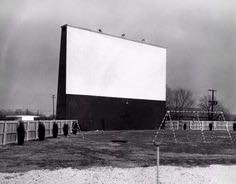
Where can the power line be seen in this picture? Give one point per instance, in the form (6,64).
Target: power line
(212,102)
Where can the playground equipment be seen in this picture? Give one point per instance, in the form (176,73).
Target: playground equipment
(194,124)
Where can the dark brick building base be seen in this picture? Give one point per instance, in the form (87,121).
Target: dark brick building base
(105,113)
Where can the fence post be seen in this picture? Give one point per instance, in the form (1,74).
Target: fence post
(49,127)
(27,131)
(17,124)
(59,128)
(70,127)
(36,129)
(5,133)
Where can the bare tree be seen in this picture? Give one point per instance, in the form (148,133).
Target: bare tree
(179,99)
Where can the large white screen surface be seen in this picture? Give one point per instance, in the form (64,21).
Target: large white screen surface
(103,65)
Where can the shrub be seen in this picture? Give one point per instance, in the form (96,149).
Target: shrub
(74,128)
(65,129)
(41,131)
(55,130)
(20,133)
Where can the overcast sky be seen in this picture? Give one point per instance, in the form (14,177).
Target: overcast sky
(200,36)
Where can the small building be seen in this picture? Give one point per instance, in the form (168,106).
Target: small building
(22,117)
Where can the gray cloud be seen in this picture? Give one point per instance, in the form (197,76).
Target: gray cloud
(200,36)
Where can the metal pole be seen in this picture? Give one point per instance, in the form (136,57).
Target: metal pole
(158,161)
(53,97)
(212,102)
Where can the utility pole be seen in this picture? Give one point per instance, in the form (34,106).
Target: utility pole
(212,102)
(53,97)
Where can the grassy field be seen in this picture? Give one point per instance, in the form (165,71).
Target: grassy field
(101,149)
